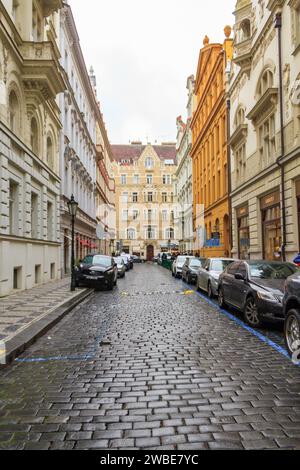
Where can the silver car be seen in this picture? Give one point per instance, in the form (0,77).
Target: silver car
(121,266)
(208,275)
(178,265)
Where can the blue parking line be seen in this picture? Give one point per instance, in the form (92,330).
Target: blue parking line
(246,327)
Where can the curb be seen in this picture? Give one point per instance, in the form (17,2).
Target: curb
(23,340)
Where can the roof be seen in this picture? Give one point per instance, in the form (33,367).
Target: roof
(133,152)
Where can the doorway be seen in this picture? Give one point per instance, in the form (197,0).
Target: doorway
(150,253)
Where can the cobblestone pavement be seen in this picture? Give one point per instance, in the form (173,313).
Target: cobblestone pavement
(146,367)
(17,311)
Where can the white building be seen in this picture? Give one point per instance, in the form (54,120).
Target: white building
(78,158)
(184,177)
(30,80)
(265,139)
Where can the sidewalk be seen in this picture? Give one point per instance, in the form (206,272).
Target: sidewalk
(26,315)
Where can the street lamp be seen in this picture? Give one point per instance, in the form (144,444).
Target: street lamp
(73,206)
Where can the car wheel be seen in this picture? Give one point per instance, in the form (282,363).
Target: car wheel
(251,314)
(210,291)
(221,298)
(173,275)
(292,331)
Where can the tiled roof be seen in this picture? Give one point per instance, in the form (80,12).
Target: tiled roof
(133,152)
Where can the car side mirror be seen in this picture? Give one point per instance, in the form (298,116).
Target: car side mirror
(239,277)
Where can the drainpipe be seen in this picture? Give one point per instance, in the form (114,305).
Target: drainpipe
(228,108)
(278,26)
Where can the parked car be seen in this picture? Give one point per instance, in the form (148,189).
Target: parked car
(256,288)
(130,259)
(190,269)
(291,311)
(178,265)
(97,271)
(136,259)
(126,262)
(209,274)
(121,266)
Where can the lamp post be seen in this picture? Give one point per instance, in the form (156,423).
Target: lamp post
(73,206)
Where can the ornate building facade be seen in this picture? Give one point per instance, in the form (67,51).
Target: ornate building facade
(209,150)
(184,176)
(265,129)
(30,80)
(145,202)
(78,157)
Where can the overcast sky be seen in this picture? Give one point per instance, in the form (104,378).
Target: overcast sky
(142,52)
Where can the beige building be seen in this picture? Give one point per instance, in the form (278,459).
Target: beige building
(145,203)
(265,129)
(30,80)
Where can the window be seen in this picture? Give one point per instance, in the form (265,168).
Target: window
(240,161)
(123,179)
(169,234)
(50,221)
(14,113)
(239,117)
(164,197)
(266,82)
(135,214)
(131,234)
(50,153)
(149,164)
(149,179)
(34,215)
(13,208)
(136,179)
(150,197)
(125,215)
(245,30)
(134,197)
(150,233)
(34,136)
(167,179)
(164,215)
(125,198)
(267,140)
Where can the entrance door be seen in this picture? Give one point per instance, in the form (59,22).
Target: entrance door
(150,253)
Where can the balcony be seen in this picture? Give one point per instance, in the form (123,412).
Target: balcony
(49,6)
(243,57)
(41,68)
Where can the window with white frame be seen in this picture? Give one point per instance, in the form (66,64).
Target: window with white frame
(125,198)
(266,82)
(135,197)
(167,179)
(150,233)
(149,163)
(136,179)
(169,234)
(123,179)
(267,140)
(124,215)
(149,179)
(135,214)
(240,162)
(131,234)
(150,197)
(164,197)
(164,215)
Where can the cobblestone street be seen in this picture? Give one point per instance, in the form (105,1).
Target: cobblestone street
(146,367)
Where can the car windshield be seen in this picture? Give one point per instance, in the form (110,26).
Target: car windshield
(220,265)
(181,259)
(195,263)
(272,270)
(101,261)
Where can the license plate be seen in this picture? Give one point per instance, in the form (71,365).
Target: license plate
(93,278)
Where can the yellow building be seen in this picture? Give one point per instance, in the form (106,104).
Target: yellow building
(145,206)
(209,150)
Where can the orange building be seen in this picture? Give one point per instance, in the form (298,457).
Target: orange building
(209,150)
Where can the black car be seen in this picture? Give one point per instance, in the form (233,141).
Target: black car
(97,271)
(291,310)
(190,269)
(256,288)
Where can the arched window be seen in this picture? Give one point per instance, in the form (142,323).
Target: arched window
(266,82)
(14,113)
(34,136)
(131,234)
(50,152)
(239,117)
(245,29)
(170,234)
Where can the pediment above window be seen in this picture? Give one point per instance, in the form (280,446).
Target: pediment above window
(265,104)
(273,4)
(50,6)
(239,135)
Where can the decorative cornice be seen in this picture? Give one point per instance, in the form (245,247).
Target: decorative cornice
(266,103)
(239,135)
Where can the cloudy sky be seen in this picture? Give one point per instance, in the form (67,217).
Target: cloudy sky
(142,52)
